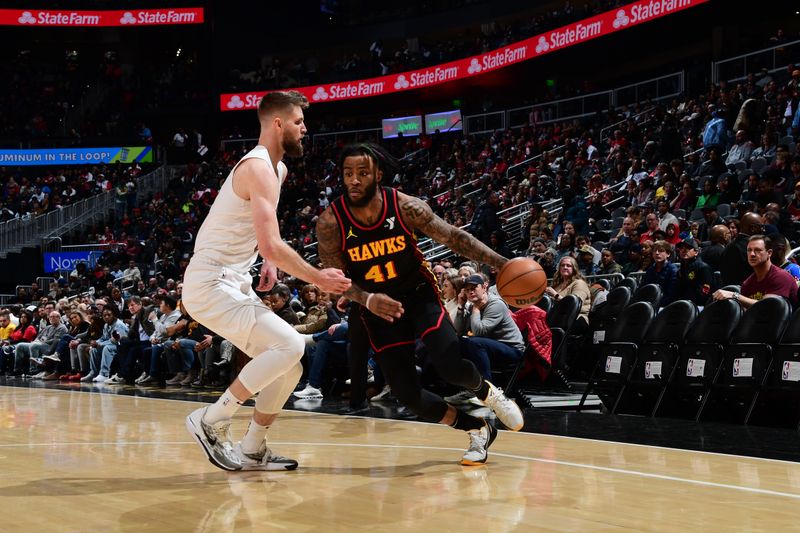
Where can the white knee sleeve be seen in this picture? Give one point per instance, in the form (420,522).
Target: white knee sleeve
(274,396)
(277,360)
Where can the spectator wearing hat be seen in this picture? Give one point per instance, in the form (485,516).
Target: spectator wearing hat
(634,261)
(494,337)
(585,258)
(662,272)
(695,277)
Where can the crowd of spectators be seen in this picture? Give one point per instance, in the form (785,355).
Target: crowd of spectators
(38,190)
(674,195)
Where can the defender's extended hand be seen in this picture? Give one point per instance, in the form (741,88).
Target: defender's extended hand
(385,307)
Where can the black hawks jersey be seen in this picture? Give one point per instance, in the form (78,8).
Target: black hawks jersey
(383,257)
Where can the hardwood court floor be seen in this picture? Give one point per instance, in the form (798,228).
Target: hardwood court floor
(75,461)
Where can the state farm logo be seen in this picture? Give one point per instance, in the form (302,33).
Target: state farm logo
(621,20)
(474,66)
(320,94)
(235,102)
(127,18)
(542,45)
(401,83)
(26,18)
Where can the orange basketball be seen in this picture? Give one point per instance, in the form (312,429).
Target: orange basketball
(521,282)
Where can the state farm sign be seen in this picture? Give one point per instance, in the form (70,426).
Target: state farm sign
(132,17)
(566,36)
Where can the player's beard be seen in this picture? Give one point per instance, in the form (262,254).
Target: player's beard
(292,148)
(369,193)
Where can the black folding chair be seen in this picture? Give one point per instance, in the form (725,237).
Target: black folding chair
(699,359)
(658,356)
(748,358)
(618,355)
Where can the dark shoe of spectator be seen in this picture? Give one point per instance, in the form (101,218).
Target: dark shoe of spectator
(359,409)
(176,380)
(149,380)
(52,376)
(187,381)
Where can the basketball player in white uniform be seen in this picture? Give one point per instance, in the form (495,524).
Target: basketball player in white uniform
(217,290)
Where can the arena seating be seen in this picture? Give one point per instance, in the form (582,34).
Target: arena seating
(748,359)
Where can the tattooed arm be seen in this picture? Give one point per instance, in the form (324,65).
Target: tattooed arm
(329,248)
(418,215)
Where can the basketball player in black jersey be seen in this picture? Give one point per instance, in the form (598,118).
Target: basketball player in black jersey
(371,232)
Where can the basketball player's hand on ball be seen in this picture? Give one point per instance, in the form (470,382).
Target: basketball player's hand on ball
(269,275)
(332,280)
(385,307)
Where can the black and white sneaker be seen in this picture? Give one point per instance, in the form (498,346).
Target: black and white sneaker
(214,439)
(263,459)
(479,442)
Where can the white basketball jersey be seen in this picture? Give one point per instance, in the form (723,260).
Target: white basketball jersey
(227,235)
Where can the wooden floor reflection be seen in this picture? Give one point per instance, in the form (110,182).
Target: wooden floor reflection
(75,461)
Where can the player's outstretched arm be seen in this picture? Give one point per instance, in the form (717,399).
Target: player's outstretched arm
(329,248)
(258,180)
(418,215)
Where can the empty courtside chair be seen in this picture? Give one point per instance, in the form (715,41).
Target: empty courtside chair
(545,303)
(781,397)
(650,293)
(618,355)
(658,357)
(700,358)
(605,315)
(603,283)
(631,283)
(561,318)
(748,357)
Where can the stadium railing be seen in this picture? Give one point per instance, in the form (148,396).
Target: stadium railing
(18,233)
(773,58)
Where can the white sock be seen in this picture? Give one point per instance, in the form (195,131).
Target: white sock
(222,409)
(254,436)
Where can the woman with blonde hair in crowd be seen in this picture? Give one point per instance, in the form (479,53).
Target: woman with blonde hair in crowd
(569,280)
(451,287)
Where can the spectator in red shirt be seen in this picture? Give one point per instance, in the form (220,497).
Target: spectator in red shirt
(766,280)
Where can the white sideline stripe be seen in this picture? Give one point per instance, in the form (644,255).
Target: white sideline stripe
(638,473)
(531,433)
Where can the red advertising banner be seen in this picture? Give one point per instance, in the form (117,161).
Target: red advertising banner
(133,17)
(579,32)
